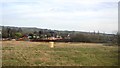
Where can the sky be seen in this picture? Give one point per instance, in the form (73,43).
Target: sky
(72,15)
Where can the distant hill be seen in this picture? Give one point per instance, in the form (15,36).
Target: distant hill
(33,29)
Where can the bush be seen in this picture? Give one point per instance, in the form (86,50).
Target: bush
(18,35)
(79,38)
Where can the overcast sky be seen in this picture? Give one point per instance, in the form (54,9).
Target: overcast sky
(78,15)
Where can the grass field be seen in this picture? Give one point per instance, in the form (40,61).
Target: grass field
(21,53)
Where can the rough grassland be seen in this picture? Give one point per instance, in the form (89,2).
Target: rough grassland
(21,53)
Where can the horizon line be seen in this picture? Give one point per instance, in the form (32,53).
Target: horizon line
(57,29)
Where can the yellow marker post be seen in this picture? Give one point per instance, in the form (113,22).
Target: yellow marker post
(51,44)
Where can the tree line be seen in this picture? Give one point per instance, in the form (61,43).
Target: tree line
(67,36)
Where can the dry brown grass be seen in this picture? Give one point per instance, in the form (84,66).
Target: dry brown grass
(24,53)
